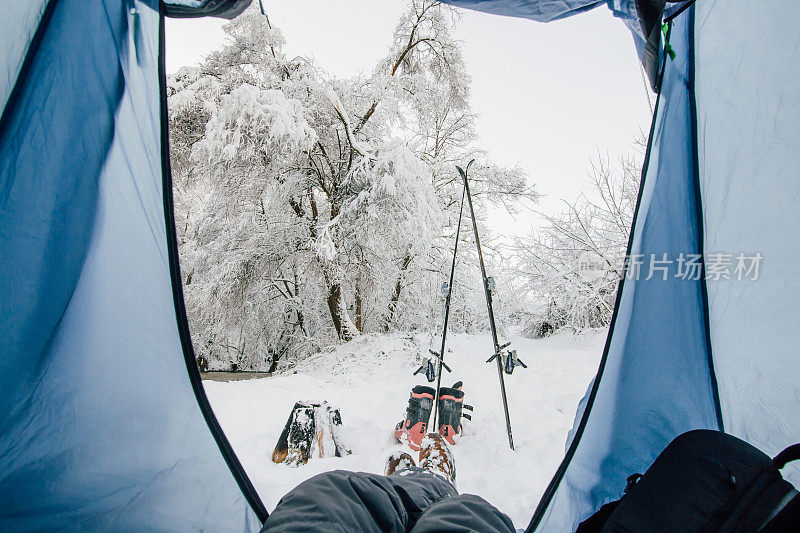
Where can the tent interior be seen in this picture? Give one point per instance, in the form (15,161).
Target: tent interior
(90,289)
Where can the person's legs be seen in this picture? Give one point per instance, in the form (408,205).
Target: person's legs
(358,501)
(463,513)
(408,497)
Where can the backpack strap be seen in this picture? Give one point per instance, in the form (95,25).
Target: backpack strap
(792,453)
(786,520)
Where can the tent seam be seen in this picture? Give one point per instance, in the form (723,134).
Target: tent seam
(235,466)
(700,219)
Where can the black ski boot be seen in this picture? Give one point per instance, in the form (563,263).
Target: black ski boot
(415,425)
(451,404)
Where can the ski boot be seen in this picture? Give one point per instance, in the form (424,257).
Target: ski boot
(451,404)
(411,430)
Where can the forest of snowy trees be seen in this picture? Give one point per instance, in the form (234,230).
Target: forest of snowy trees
(311,209)
(597,224)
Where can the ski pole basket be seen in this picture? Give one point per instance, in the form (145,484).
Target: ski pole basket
(508,359)
(431,369)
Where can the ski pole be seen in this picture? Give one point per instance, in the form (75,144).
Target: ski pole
(440,355)
(487,290)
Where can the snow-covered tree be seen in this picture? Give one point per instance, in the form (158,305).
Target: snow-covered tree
(309,205)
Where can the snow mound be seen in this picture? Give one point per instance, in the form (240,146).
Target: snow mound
(366,355)
(369,380)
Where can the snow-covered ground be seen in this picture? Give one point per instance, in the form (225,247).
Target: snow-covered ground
(369,379)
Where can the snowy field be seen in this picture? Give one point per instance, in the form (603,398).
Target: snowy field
(369,380)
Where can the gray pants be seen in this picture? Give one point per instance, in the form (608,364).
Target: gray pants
(413,500)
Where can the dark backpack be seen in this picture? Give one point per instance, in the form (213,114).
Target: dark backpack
(703,482)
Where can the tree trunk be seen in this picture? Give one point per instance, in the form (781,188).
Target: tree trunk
(345,328)
(359,315)
(396,295)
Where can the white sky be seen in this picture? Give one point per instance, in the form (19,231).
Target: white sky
(550,96)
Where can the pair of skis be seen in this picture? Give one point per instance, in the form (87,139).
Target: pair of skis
(488,285)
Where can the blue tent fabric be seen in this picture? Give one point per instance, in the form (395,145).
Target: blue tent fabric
(749,156)
(227,9)
(539,10)
(101,429)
